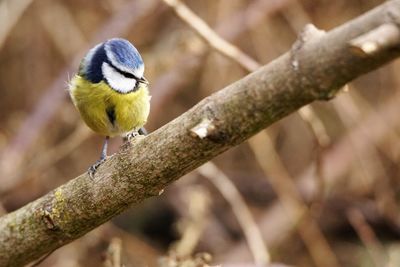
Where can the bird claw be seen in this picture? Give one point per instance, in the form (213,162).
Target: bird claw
(130,136)
(92,170)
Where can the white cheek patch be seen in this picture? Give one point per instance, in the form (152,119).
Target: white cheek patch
(116,80)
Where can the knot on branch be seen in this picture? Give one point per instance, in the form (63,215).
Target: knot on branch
(47,218)
(386,36)
(209,129)
(51,212)
(204,129)
(308,33)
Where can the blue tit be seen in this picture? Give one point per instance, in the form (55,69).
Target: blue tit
(110,92)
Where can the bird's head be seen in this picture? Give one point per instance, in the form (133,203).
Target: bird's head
(116,62)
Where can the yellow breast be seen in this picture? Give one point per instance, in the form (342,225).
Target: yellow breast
(108,112)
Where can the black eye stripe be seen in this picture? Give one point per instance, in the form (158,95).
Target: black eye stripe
(123,73)
(126,74)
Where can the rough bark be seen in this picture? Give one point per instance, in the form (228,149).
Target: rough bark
(318,65)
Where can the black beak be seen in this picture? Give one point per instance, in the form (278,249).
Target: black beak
(143,80)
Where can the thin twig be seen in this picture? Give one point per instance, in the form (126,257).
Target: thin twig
(113,256)
(211,37)
(193,226)
(349,107)
(50,156)
(367,236)
(288,195)
(309,115)
(53,17)
(337,160)
(10,13)
(232,195)
(42,259)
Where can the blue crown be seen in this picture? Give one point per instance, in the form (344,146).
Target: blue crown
(124,53)
(119,53)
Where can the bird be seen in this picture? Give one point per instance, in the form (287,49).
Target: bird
(111,93)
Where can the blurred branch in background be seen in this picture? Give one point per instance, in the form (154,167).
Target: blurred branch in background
(192,226)
(55,17)
(211,37)
(52,155)
(297,210)
(10,12)
(367,236)
(358,141)
(336,162)
(110,240)
(241,211)
(114,251)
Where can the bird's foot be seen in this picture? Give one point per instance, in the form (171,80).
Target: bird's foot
(130,136)
(92,170)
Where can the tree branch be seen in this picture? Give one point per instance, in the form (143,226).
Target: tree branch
(314,70)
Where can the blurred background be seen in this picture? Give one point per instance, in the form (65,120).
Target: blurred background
(318,188)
